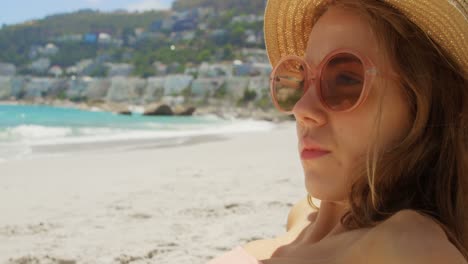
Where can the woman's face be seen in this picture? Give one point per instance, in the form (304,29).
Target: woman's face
(346,135)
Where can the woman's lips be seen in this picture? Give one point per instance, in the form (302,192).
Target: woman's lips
(311,149)
(309,154)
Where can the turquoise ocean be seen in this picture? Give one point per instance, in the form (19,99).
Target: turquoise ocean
(24,128)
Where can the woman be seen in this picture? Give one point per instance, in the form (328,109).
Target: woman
(379,92)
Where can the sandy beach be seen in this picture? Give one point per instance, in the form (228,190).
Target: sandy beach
(141,203)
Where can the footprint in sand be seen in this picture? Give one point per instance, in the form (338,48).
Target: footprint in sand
(31,229)
(278,204)
(160,250)
(239,208)
(38,260)
(140,216)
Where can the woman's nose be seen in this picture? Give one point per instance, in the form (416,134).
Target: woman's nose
(309,110)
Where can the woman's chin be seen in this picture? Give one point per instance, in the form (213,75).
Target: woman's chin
(324,191)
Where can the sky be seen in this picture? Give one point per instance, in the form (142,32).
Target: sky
(17,11)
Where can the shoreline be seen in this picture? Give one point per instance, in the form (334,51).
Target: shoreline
(226,112)
(24,140)
(125,145)
(28,146)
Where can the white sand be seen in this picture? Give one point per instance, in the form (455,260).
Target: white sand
(181,204)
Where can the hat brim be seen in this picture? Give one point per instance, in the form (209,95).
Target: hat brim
(288,23)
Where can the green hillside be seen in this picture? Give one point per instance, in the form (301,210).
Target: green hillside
(137,38)
(15,40)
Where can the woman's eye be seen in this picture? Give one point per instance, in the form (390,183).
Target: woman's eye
(345,79)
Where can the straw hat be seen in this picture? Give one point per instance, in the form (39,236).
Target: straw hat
(288,24)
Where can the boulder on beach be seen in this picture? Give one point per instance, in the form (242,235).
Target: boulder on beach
(158,110)
(166,110)
(125,112)
(184,111)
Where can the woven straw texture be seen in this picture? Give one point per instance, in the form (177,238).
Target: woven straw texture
(288,24)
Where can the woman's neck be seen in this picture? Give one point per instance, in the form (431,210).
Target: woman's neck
(327,222)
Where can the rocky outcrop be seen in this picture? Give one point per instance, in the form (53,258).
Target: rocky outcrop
(175,84)
(166,110)
(126,90)
(206,86)
(180,111)
(5,87)
(39,87)
(163,96)
(98,89)
(125,112)
(158,110)
(154,89)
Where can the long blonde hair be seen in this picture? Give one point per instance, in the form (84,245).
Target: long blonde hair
(428,171)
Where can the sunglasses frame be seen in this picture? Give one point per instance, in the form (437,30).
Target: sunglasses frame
(314,75)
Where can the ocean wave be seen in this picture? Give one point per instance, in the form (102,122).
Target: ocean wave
(23,128)
(18,142)
(91,134)
(25,133)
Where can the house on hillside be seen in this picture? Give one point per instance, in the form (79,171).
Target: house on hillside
(119,69)
(255,55)
(40,66)
(160,68)
(150,36)
(55,71)
(182,36)
(262,69)
(69,38)
(167,24)
(104,38)
(251,18)
(34,51)
(219,35)
(185,24)
(49,50)
(156,25)
(211,70)
(90,38)
(7,69)
(251,69)
(178,21)
(250,37)
(80,67)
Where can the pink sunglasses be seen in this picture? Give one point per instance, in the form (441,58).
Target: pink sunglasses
(342,80)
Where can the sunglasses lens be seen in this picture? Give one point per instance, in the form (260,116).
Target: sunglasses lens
(287,85)
(342,81)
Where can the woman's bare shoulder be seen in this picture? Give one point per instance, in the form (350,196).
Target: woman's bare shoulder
(410,237)
(300,212)
(300,215)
